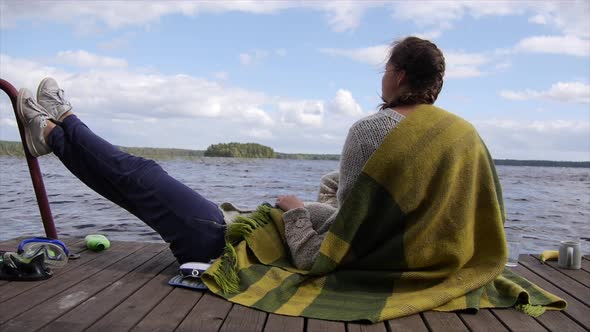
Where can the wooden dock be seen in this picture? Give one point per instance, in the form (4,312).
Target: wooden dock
(125,288)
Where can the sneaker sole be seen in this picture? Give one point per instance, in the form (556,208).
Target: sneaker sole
(28,136)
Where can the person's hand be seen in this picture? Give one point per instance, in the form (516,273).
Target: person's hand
(288,202)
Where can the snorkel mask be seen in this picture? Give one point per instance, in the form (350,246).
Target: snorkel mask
(55,252)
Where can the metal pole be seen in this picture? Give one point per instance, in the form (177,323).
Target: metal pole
(34,169)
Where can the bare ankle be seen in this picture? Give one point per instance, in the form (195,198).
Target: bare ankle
(47,130)
(65,115)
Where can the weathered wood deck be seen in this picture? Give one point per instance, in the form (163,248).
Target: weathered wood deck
(125,288)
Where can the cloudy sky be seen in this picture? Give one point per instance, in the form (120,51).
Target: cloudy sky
(295,75)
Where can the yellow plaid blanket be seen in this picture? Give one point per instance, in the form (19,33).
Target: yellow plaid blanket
(421,230)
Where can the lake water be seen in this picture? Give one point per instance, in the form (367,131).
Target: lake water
(545,204)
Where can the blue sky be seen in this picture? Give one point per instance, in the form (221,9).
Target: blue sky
(294,75)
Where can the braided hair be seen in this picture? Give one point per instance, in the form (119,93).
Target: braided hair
(424,65)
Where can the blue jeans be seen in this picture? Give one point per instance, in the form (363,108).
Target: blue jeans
(192,225)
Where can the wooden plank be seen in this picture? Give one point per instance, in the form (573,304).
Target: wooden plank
(283,323)
(12,289)
(570,286)
(11,244)
(360,327)
(89,311)
(62,282)
(408,323)
(518,321)
(443,321)
(169,313)
(559,321)
(316,325)
(586,263)
(244,319)
(580,276)
(207,315)
(576,310)
(47,311)
(484,320)
(128,313)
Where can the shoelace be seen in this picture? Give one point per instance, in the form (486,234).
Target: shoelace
(58,96)
(42,112)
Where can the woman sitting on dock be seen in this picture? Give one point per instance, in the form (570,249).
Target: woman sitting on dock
(413,220)
(193,225)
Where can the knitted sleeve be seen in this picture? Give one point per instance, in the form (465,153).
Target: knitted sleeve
(305,229)
(329,188)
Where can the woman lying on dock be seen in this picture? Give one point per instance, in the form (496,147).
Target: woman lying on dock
(193,225)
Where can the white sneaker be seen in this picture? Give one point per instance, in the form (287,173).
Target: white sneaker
(51,97)
(34,120)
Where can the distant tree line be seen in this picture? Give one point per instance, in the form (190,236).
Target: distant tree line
(163,153)
(253,150)
(239,150)
(307,156)
(13,149)
(544,163)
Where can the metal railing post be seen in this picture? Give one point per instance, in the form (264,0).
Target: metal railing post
(34,169)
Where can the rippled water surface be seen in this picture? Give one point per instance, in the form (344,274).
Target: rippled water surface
(546,204)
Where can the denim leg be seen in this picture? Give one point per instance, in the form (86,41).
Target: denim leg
(192,225)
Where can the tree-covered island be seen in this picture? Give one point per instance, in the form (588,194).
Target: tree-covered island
(239,150)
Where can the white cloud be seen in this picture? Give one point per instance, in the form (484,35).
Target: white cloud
(305,112)
(462,64)
(253,57)
(569,45)
(373,55)
(570,18)
(124,13)
(458,64)
(344,103)
(87,15)
(221,75)
(257,116)
(8,122)
(185,111)
(245,58)
(574,92)
(345,15)
(539,19)
(117,42)
(259,133)
(503,65)
(434,17)
(82,58)
(559,139)
(122,94)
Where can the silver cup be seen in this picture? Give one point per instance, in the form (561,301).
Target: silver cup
(570,255)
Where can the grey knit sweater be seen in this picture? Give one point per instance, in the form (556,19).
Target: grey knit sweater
(306,227)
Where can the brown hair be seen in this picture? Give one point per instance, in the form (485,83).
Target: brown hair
(424,65)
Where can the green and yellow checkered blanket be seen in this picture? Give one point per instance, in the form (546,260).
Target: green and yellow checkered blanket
(421,230)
